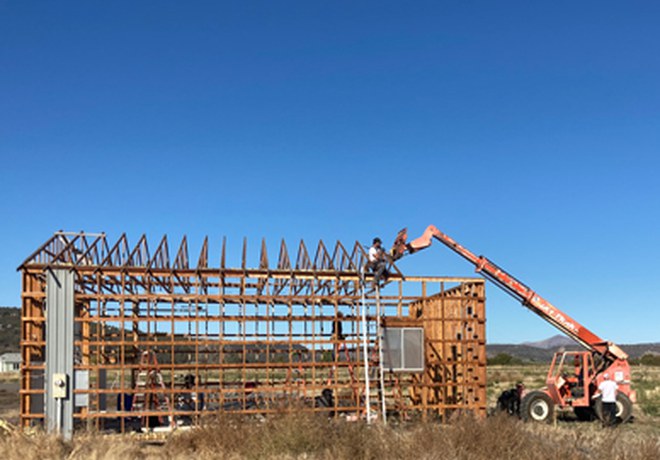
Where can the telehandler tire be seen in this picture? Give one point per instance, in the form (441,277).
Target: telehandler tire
(537,406)
(624,408)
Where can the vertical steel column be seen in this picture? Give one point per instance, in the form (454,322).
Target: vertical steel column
(60,314)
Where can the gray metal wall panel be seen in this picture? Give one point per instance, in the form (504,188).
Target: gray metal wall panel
(60,312)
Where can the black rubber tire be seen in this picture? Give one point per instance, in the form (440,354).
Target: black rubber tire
(624,408)
(537,406)
(584,414)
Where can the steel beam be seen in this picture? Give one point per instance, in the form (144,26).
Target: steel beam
(60,314)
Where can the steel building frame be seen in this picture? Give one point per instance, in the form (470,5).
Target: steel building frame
(159,342)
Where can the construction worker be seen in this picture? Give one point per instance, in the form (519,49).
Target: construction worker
(509,400)
(189,401)
(377,261)
(520,392)
(337,327)
(578,387)
(337,335)
(326,400)
(608,390)
(192,400)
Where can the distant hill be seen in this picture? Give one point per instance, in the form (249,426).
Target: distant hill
(542,351)
(553,342)
(10,329)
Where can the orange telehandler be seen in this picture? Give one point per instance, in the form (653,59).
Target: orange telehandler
(574,376)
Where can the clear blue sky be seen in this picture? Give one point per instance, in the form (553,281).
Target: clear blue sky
(529,131)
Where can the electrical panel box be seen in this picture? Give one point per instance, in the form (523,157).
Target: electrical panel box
(81,382)
(60,386)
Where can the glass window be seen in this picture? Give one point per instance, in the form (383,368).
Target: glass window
(403,349)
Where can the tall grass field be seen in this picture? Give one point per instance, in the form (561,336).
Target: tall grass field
(303,436)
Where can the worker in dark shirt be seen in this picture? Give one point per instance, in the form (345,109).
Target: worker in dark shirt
(337,334)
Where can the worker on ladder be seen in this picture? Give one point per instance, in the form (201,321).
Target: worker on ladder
(377,262)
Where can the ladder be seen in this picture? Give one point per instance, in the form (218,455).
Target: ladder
(333,372)
(367,332)
(381,372)
(145,399)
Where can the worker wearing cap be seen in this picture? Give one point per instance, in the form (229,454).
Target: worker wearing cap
(377,261)
(608,389)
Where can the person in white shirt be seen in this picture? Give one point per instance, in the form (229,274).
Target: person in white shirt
(377,261)
(608,390)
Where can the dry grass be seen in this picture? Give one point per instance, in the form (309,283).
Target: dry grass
(9,376)
(315,437)
(9,403)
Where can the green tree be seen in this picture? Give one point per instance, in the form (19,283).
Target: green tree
(504,359)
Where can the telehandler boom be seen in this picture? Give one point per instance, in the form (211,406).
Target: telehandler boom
(573,377)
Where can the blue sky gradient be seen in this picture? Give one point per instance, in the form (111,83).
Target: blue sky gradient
(528,131)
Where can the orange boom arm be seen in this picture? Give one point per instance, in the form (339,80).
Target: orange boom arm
(514,287)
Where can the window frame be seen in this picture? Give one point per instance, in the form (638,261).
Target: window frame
(387,361)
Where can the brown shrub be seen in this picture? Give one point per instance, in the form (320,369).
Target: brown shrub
(317,437)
